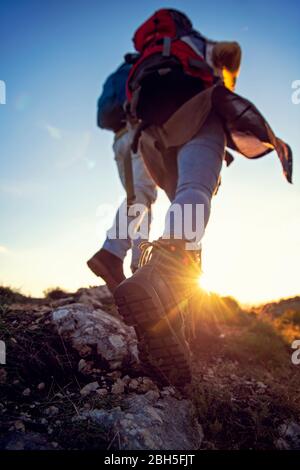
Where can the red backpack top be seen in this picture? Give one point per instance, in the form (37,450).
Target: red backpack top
(164,23)
(169,33)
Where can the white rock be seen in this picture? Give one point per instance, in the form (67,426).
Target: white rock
(92,331)
(149,422)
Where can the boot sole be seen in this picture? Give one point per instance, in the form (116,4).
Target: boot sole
(161,347)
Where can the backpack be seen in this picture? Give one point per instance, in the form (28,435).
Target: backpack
(110,114)
(170,69)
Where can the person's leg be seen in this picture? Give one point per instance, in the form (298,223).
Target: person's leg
(107,263)
(117,243)
(155,298)
(199,166)
(118,240)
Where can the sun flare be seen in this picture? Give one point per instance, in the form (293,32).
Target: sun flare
(203,282)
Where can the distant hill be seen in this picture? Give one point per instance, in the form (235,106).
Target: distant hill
(276,309)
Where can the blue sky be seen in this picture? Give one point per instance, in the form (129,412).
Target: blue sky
(58,180)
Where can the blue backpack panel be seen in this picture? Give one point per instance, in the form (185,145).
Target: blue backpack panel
(110,113)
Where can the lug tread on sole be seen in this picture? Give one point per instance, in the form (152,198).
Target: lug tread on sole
(160,354)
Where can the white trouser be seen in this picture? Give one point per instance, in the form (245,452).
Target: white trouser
(145,192)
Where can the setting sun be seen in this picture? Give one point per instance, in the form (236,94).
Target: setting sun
(202,282)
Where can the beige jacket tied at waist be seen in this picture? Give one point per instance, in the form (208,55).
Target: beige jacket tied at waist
(247,133)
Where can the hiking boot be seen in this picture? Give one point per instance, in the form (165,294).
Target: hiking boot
(154,300)
(107,266)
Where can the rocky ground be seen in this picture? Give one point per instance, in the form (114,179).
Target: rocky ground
(73,380)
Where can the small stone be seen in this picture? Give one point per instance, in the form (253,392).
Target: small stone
(89,388)
(261,385)
(41,386)
(133,384)
(85,367)
(118,387)
(102,392)
(81,365)
(172,390)
(85,351)
(147,385)
(26,392)
(126,379)
(19,426)
(247,382)
(168,391)
(52,411)
(114,375)
(54,444)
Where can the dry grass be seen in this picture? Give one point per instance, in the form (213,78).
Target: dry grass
(245,385)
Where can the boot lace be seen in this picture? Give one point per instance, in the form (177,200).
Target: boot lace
(147,249)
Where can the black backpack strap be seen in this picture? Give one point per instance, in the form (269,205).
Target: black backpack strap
(135,141)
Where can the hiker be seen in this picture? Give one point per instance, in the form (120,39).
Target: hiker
(181,88)
(107,263)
